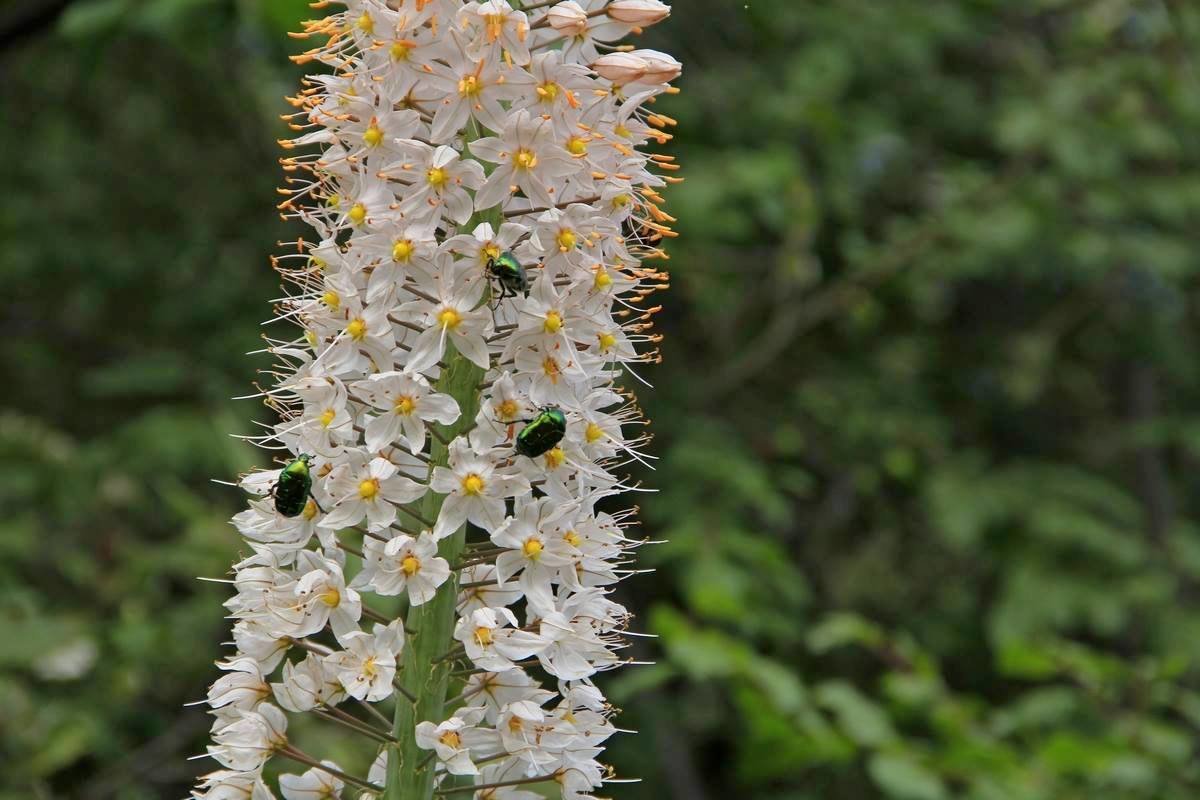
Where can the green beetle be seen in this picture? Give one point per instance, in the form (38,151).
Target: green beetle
(294,486)
(508,272)
(542,432)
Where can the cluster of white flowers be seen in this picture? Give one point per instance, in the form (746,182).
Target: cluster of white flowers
(446,138)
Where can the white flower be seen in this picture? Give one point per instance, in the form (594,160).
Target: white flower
(475,490)
(404,564)
(229,784)
(316,784)
(451,741)
(243,687)
(370,489)
(440,182)
(368,664)
(527,158)
(493,641)
(407,404)
(251,737)
(312,682)
(451,318)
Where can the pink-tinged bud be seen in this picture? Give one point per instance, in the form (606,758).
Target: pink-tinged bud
(621,68)
(568,18)
(660,67)
(638,12)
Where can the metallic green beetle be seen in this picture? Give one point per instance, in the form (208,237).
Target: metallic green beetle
(294,487)
(508,272)
(542,433)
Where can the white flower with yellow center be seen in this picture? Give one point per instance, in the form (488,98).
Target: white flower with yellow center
(493,641)
(527,158)
(448,314)
(367,664)
(475,489)
(367,488)
(439,179)
(403,565)
(499,30)
(450,740)
(407,404)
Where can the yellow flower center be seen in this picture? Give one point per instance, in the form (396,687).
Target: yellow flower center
(620,201)
(318,262)
(327,417)
(405,405)
(402,250)
(550,368)
(515,724)
(310,509)
(572,538)
(622,131)
(372,136)
(548,91)
(331,597)
(333,200)
(555,458)
(607,340)
(593,433)
(410,565)
(368,488)
(399,51)
(472,484)
(449,318)
(311,338)
(365,23)
(490,250)
(451,739)
(553,323)
(469,86)
(532,548)
(577,146)
(603,279)
(525,159)
(483,636)
(507,410)
(358,213)
(567,240)
(436,177)
(357,329)
(332,300)
(369,669)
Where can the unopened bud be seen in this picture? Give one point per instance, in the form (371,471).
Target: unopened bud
(621,68)
(660,67)
(638,12)
(568,18)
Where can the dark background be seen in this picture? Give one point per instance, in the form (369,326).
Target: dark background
(928,419)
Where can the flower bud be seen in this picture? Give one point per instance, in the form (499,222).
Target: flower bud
(621,68)
(568,18)
(660,67)
(638,12)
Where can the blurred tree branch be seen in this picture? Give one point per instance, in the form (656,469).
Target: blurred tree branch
(794,316)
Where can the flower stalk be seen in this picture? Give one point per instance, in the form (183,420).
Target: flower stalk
(482,203)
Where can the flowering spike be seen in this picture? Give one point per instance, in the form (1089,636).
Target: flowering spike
(475,176)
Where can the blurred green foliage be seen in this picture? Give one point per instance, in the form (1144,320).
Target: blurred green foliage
(927,420)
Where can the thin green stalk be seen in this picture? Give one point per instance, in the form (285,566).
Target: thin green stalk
(423,676)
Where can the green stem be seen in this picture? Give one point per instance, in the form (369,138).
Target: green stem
(409,774)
